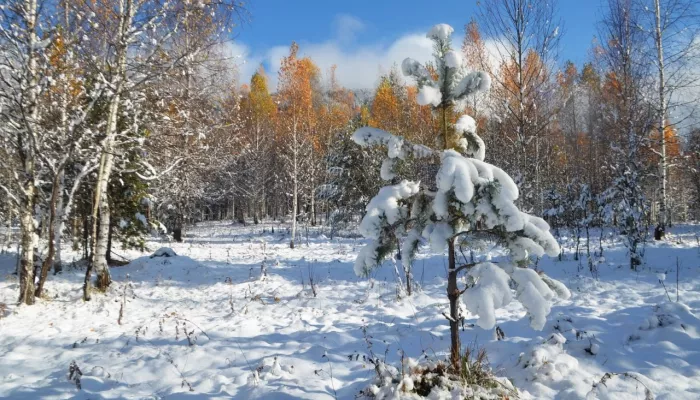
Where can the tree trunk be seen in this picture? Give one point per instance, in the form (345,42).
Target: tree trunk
(48,261)
(58,227)
(313,204)
(295,189)
(453,296)
(26,268)
(100,222)
(101,206)
(663,211)
(100,258)
(108,253)
(177,233)
(27,155)
(86,238)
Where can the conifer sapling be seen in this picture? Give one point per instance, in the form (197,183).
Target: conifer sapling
(469,200)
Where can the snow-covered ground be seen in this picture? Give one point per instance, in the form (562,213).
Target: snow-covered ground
(207,324)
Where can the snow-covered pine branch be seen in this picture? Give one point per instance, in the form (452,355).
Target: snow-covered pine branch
(471,195)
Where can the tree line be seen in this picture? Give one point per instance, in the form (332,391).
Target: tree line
(121,118)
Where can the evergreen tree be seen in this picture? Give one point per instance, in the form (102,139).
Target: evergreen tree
(467,200)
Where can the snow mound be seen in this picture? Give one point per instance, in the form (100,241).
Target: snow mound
(434,381)
(669,315)
(668,326)
(164,252)
(548,361)
(156,267)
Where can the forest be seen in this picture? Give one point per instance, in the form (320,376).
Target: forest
(489,195)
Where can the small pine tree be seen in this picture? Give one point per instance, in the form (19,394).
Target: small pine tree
(349,179)
(465,201)
(626,208)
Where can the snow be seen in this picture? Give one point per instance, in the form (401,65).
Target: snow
(458,174)
(437,235)
(490,293)
(472,83)
(411,67)
(466,124)
(534,295)
(397,147)
(164,252)
(471,144)
(141,218)
(440,32)
(453,59)
(387,170)
(429,95)
(268,337)
(386,206)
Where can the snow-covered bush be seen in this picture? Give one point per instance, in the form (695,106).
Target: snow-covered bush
(435,380)
(548,361)
(469,200)
(164,252)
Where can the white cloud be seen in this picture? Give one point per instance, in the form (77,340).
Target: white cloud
(246,63)
(358,67)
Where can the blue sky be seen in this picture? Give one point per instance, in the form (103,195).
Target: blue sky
(364,38)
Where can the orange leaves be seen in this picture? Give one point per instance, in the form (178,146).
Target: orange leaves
(297,78)
(567,78)
(386,110)
(58,56)
(652,150)
(58,51)
(670,138)
(612,87)
(259,102)
(673,147)
(530,75)
(473,48)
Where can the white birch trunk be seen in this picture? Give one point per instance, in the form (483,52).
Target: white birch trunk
(295,183)
(26,265)
(26,270)
(59,225)
(663,162)
(101,207)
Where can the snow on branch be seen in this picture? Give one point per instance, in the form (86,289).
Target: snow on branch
(440,32)
(491,291)
(472,197)
(398,148)
(386,207)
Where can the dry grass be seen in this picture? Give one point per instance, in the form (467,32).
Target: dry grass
(475,372)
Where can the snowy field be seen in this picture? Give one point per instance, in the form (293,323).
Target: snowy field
(209,324)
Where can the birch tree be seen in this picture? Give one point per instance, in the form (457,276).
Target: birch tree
(673,29)
(627,118)
(295,92)
(135,35)
(526,33)
(69,102)
(22,56)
